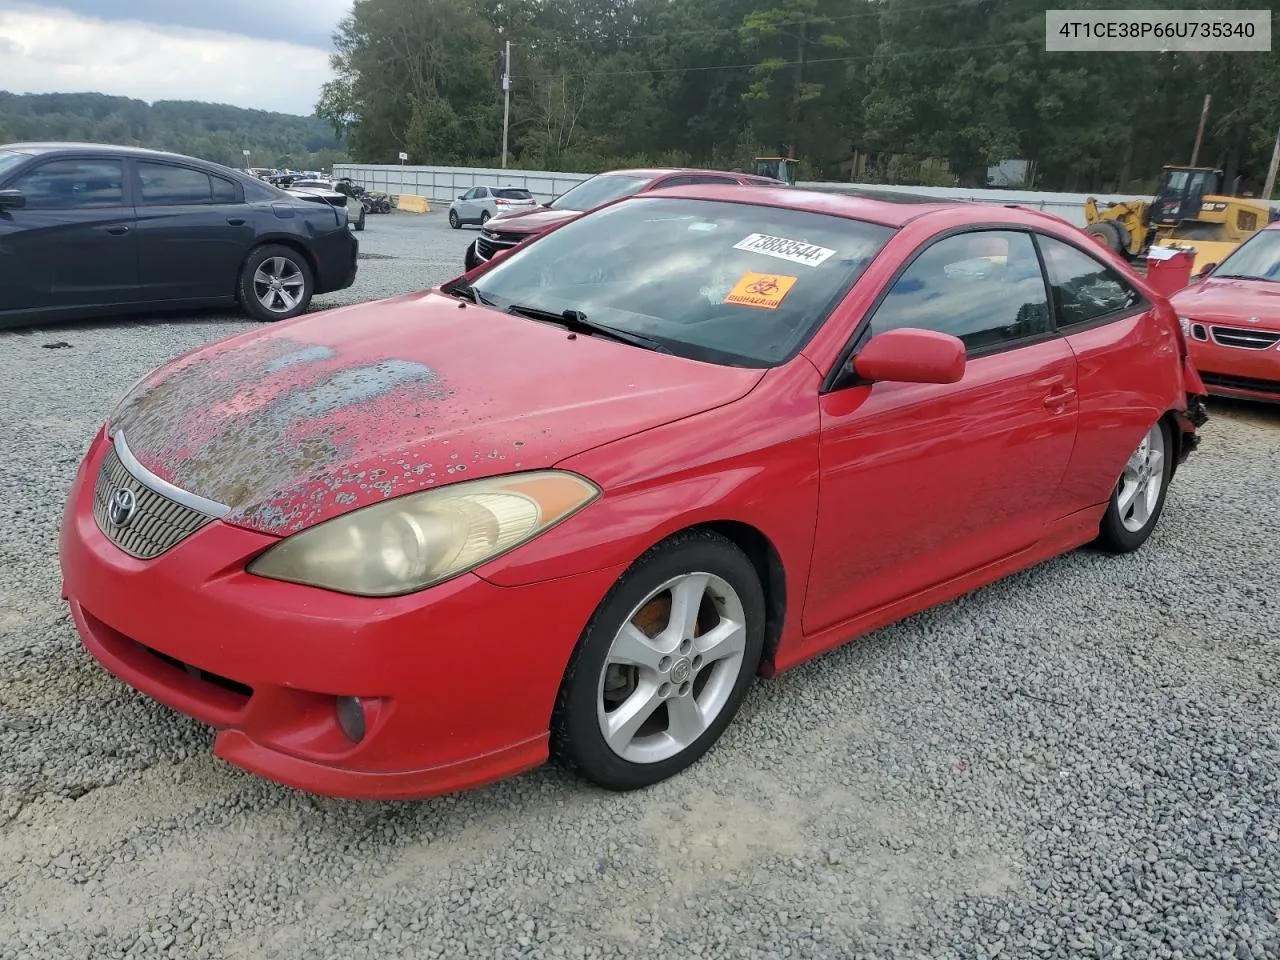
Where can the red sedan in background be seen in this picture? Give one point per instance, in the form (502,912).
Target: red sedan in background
(1231,318)
(572,503)
(505,231)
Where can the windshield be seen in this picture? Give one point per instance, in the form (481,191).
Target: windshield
(590,194)
(1258,258)
(9,160)
(730,283)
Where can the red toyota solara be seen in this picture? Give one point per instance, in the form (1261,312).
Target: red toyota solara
(571,503)
(1231,318)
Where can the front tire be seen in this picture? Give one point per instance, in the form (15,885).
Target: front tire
(470,260)
(276,283)
(1105,233)
(359,226)
(1138,499)
(664,664)
(454,220)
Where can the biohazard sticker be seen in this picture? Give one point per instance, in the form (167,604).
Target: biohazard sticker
(796,251)
(760,290)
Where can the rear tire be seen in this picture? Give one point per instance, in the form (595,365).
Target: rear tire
(484,217)
(269,301)
(663,665)
(359,226)
(1136,502)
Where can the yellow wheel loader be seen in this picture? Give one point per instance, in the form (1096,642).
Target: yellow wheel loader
(1189,210)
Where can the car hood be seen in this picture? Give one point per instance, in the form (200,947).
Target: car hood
(534,220)
(317,416)
(1231,301)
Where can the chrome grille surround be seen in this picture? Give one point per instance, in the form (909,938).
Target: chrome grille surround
(1244,338)
(164,515)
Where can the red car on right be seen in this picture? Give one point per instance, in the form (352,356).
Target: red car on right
(1231,318)
(507,230)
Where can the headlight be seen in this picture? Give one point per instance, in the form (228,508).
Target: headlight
(1186,325)
(421,539)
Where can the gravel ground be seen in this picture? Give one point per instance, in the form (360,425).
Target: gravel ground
(1081,761)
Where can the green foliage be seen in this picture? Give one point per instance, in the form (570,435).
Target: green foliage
(209,131)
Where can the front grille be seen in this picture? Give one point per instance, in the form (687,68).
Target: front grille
(489,244)
(242,690)
(1240,383)
(1245,339)
(157,523)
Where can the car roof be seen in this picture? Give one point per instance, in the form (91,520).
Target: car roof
(33,148)
(886,209)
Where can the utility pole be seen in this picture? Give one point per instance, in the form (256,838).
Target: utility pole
(1204,115)
(1270,188)
(506,100)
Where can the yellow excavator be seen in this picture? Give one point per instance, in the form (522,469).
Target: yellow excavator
(1189,210)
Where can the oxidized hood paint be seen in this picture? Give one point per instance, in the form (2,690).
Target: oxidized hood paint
(307,419)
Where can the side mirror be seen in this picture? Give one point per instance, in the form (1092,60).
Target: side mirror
(908,355)
(12,200)
(1207,269)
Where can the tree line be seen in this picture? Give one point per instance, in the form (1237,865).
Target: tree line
(209,131)
(906,90)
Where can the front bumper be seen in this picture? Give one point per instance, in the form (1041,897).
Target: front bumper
(457,683)
(1236,372)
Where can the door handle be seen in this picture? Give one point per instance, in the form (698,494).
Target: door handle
(118,231)
(236,221)
(1056,400)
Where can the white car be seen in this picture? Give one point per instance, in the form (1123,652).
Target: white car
(336,193)
(479,204)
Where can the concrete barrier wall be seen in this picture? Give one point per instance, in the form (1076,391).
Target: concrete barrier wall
(441,185)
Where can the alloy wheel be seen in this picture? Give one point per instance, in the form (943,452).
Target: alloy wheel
(278,284)
(672,668)
(1138,493)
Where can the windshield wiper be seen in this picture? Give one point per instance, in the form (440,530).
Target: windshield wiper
(469,290)
(576,321)
(1241,276)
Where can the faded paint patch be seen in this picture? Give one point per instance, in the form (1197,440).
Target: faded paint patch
(244,425)
(313,354)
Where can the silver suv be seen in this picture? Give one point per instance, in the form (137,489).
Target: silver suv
(478,204)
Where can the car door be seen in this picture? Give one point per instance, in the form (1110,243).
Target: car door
(194,230)
(922,483)
(1121,350)
(72,243)
(466,207)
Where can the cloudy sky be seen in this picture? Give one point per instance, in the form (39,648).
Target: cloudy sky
(268,54)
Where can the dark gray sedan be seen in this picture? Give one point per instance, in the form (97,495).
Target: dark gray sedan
(88,230)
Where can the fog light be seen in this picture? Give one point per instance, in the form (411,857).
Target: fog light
(351,718)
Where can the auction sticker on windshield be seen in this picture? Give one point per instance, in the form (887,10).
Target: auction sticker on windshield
(795,251)
(760,290)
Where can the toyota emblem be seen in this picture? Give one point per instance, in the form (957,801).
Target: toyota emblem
(122,507)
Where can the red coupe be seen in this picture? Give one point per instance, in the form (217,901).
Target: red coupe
(572,503)
(1231,318)
(505,231)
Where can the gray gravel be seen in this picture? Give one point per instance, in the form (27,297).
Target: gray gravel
(1081,761)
